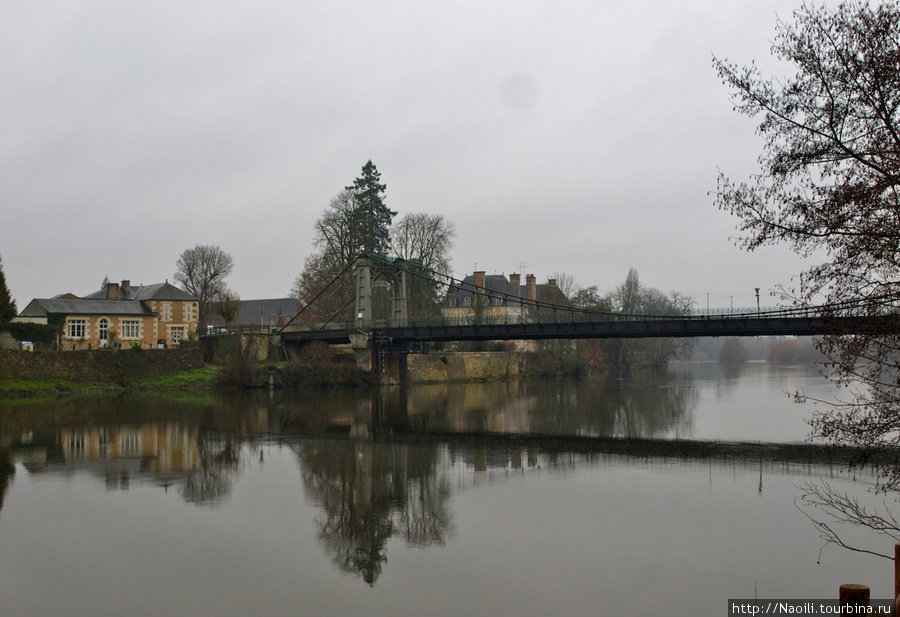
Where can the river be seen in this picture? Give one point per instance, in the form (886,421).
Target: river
(546,498)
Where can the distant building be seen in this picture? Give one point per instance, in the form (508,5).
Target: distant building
(257,314)
(120,315)
(501,300)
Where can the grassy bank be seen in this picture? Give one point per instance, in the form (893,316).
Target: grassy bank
(200,379)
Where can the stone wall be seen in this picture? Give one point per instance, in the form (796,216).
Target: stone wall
(7,342)
(99,365)
(438,367)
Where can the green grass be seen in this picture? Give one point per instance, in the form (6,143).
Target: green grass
(36,387)
(193,380)
(196,379)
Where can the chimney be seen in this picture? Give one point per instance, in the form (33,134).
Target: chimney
(126,288)
(112,291)
(530,287)
(551,283)
(515,283)
(479,280)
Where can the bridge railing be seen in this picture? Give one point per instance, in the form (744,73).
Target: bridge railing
(548,316)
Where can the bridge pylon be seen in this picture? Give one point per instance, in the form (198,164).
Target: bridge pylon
(368,273)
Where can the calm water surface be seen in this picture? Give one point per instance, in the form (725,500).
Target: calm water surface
(407,502)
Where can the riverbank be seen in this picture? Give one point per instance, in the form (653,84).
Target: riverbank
(203,379)
(95,372)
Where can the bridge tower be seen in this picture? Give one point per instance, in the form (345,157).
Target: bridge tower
(368,273)
(371,354)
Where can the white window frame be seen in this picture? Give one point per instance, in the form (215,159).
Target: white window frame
(103,327)
(167,311)
(176,330)
(76,328)
(131,329)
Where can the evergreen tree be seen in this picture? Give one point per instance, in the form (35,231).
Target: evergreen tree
(7,303)
(373,217)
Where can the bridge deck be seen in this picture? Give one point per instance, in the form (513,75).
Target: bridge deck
(645,328)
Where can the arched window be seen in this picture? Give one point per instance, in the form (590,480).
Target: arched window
(103,329)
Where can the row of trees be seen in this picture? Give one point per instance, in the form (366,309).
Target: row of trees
(631,299)
(357,221)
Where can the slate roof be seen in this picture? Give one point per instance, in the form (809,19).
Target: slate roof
(249,311)
(548,293)
(495,285)
(40,307)
(157,291)
(98,304)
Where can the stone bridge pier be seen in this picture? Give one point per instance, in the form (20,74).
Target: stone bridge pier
(388,366)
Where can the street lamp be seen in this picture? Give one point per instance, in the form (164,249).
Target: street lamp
(757,301)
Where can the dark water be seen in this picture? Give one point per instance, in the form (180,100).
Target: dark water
(489,499)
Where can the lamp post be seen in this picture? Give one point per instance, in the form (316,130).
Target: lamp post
(757,301)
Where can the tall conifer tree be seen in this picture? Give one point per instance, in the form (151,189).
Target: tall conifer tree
(373,217)
(7,304)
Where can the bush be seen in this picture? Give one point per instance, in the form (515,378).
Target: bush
(43,336)
(316,366)
(240,368)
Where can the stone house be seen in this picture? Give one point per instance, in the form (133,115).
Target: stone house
(148,316)
(501,300)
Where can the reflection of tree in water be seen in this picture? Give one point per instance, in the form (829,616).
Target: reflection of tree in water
(370,492)
(652,406)
(219,462)
(7,469)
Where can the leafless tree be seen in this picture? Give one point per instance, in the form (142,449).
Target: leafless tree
(426,239)
(227,304)
(632,299)
(836,511)
(566,283)
(425,242)
(339,240)
(828,186)
(320,291)
(202,271)
(339,233)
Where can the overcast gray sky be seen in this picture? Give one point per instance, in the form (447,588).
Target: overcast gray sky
(577,136)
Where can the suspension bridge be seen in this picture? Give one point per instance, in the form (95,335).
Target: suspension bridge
(497,315)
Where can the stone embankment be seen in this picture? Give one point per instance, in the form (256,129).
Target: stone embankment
(438,367)
(98,365)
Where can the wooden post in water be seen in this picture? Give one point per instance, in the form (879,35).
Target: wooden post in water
(895,610)
(897,569)
(854,595)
